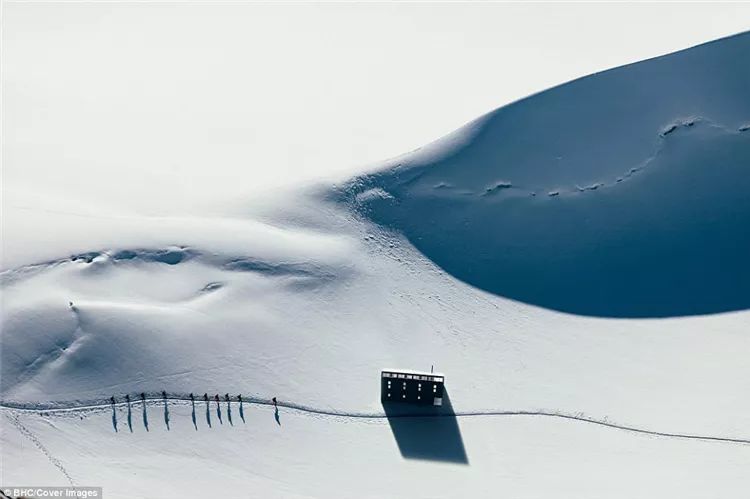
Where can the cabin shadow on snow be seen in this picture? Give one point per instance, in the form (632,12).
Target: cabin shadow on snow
(427,433)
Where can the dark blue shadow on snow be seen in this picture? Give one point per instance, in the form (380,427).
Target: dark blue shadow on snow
(596,197)
(670,240)
(145,414)
(130,417)
(166,413)
(208,413)
(192,414)
(114,417)
(427,433)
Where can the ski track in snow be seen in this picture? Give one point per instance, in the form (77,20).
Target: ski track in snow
(52,459)
(577,417)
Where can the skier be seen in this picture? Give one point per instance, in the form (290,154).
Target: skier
(276,411)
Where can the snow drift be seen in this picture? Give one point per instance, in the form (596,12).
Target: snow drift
(623,194)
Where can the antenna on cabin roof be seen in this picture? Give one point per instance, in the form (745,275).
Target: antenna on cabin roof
(432,368)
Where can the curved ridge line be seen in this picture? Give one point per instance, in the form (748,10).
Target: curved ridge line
(100,404)
(236,263)
(364,181)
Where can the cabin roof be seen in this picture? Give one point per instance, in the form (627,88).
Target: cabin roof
(412,371)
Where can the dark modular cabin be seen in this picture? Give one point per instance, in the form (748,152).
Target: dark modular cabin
(413,387)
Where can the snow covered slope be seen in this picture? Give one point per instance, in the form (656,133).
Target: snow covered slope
(578,253)
(621,194)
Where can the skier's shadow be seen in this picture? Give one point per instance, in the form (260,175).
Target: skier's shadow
(166,413)
(208,412)
(192,415)
(130,417)
(145,415)
(114,417)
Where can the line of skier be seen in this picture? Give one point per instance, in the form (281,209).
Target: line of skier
(113,400)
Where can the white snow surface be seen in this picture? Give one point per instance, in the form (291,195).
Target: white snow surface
(307,294)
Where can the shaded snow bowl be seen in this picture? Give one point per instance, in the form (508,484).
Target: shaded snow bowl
(639,221)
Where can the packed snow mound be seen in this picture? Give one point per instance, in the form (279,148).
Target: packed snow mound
(621,194)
